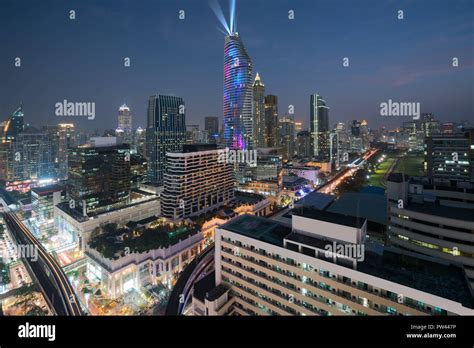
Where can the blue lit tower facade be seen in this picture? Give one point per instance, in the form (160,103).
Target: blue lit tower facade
(238,86)
(166,132)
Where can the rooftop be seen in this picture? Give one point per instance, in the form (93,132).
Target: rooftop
(327,216)
(258,228)
(247,197)
(316,200)
(187,148)
(422,273)
(113,239)
(45,190)
(370,206)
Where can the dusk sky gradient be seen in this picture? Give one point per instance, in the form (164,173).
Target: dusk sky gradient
(82,60)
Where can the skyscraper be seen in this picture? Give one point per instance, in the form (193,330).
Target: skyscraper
(62,138)
(450,156)
(9,131)
(124,118)
(287,137)
(271,121)
(166,132)
(13,126)
(238,78)
(319,127)
(31,156)
(211,126)
(303,141)
(258,112)
(99,176)
(124,129)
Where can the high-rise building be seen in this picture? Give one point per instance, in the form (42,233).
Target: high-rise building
(99,176)
(322,265)
(429,125)
(319,120)
(43,201)
(433,217)
(450,156)
(166,132)
(355,128)
(238,79)
(124,129)
(8,133)
(271,121)
(194,135)
(196,181)
(259,112)
(365,134)
(62,137)
(211,126)
(139,142)
(287,137)
(303,143)
(13,126)
(30,156)
(124,118)
(298,127)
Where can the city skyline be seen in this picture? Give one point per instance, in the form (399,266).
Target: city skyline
(237,158)
(390,69)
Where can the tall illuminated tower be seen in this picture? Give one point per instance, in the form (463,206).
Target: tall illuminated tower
(319,122)
(258,112)
(124,118)
(238,85)
(166,132)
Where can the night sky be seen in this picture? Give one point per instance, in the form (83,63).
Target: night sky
(82,60)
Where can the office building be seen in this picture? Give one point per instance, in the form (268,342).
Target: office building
(166,132)
(319,121)
(30,156)
(13,126)
(303,143)
(43,201)
(139,142)
(450,156)
(62,137)
(287,137)
(99,176)
(259,112)
(124,118)
(271,121)
(211,126)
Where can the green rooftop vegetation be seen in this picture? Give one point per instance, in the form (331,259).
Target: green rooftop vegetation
(114,241)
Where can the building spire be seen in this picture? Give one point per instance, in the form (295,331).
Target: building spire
(258,81)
